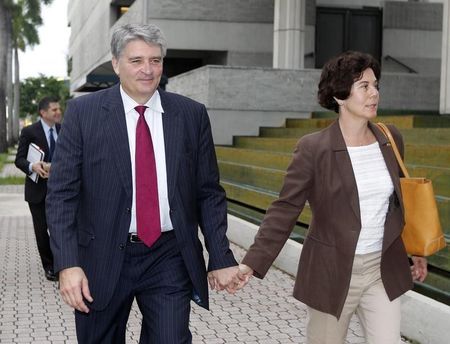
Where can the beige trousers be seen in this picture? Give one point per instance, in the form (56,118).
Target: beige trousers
(379,317)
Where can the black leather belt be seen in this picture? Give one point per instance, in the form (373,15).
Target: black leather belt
(133,238)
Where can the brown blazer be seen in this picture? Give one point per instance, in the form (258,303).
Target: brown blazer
(321,173)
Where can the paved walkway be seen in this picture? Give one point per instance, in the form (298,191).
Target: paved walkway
(31,310)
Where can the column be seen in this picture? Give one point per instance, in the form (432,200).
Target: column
(289,34)
(444,101)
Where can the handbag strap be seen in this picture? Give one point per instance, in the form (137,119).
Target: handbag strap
(388,134)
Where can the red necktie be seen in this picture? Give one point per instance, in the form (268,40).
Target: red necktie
(147,203)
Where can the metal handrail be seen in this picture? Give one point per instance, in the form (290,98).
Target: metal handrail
(410,70)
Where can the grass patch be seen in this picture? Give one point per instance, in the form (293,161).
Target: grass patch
(3,158)
(12,181)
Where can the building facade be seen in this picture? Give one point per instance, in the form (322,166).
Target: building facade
(279,45)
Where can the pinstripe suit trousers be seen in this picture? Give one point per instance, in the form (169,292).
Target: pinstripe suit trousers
(157,278)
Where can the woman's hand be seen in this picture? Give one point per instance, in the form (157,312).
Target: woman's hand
(419,268)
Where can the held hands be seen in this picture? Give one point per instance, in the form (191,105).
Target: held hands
(73,287)
(419,268)
(231,279)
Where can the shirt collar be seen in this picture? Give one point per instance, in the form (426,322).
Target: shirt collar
(46,126)
(154,103)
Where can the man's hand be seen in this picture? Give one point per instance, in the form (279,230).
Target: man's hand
(224,279)
(419,268)
(73,286)
(38,167)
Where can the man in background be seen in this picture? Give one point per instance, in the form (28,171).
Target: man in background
(44,134)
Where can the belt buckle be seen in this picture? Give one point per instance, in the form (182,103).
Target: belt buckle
(133,238)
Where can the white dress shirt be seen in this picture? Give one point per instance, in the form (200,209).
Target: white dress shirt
(153,116)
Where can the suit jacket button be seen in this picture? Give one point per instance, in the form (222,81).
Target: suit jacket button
(122,246)
(128,210)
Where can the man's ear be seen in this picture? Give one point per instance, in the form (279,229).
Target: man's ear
(115,65)
(339,101)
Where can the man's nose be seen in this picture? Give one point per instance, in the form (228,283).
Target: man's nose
(147,67)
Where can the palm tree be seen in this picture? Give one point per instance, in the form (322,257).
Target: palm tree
(18,29)
(5,39)
(27,17)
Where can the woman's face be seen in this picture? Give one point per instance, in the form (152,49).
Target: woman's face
(363,99)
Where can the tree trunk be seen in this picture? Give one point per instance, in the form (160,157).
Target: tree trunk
(9,93)
(16,112)
(5,38)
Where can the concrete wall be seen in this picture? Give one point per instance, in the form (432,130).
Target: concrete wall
(89,39)
(423,319)
(242,28)
(240,100)
(412,33)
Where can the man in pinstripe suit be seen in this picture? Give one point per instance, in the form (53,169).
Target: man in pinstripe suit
(103,262)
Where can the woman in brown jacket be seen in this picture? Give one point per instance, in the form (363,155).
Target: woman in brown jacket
(353,258)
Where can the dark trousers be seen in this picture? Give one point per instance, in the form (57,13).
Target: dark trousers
(157,278)
(40,231)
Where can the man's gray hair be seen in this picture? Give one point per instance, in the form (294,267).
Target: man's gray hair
(149,33)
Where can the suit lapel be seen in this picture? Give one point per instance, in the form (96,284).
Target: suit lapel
(173,139)
(344,166)
(113,119)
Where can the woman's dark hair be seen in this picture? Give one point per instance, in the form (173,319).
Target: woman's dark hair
(339,74)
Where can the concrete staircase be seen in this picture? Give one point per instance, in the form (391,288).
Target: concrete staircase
(252,170)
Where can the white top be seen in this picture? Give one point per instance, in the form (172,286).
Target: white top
(153,116)
(374,189)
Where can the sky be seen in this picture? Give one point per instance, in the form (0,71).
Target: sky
(50,56)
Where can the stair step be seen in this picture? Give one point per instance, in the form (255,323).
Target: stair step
(256,216)
(264,178)
(280,161)
(381,113)
(426,136)
(406,121)
(257,198)
(267,144)
(440,176)
(266,159)
(420,154)
(270,181)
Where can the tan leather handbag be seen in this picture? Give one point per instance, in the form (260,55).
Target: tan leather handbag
(422,234)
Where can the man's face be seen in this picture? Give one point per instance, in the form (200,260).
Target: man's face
(139,68)
(52,114)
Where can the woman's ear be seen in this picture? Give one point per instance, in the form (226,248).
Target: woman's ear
(339,101)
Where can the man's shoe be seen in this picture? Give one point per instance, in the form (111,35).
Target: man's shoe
(50,275)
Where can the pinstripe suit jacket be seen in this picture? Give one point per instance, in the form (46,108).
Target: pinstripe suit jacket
(90,191)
